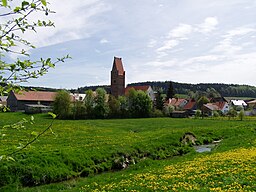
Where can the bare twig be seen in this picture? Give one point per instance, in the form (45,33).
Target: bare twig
(32,141)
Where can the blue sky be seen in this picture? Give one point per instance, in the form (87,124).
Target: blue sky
(190,41)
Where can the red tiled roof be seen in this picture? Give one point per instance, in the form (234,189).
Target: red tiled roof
(191,103)
(176,101)
(212,106)
(35,96)
(142,88)
(118,65)
(220,104)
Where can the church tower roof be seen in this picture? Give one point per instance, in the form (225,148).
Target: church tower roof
(118,65)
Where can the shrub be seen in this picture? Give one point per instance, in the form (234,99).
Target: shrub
(198,114)
(241,115)
(168,109)
(156,113)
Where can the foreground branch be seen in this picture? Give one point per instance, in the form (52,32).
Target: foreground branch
(32,141)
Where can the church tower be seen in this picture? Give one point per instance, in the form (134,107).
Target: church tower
(117,78)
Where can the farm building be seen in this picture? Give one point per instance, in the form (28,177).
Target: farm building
(30,99)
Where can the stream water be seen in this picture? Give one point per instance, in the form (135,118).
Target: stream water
(204,148)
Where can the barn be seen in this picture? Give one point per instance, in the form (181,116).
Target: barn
(27,99)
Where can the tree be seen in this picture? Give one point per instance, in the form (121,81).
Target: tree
(198,114)
(212,93)
(114,106)
(89,103)
(123,110)
(241,115)
(14,24)
(17,22)
(170,91)
(78,110)
(139,103)
(168,109)
(159,102)
(200,103)
(232,113)
(62,105)
(101,108)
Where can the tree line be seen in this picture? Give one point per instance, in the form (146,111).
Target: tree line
(225,90)
(99,105)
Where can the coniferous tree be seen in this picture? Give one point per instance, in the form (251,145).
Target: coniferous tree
(159,103)
(170,91)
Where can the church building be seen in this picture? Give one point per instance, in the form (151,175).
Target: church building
(117,78)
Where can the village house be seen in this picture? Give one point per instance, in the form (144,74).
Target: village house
(177,103)
(236,103)
(209,108)
(145,88)
(26,100)
(251,104)
(190,107)
(77,96)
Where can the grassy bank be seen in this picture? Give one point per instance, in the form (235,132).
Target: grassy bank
(87,147)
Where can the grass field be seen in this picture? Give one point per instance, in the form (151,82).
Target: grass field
(88,147)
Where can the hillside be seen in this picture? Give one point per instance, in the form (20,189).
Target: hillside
(226,90)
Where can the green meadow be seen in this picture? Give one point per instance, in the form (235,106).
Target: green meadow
(89,155)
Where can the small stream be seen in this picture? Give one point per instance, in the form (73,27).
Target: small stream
(204,148)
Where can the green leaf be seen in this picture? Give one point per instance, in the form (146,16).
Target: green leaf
(24,3)
(53,115)
(10,158)
(17,9)
(34,133)
(33,5)
(44,2)
(4,2)
(2,157)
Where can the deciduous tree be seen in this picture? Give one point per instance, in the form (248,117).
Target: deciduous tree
(62,105)
(15,22)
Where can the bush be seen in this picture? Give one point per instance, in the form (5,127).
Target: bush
(241,115)
(198,114)
(157,113)
(168,109)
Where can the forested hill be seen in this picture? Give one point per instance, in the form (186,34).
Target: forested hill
(226,90)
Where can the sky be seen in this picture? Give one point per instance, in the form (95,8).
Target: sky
(188,41)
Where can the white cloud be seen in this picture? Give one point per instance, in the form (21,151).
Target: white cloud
(174,38)
(152,43)
(197,41)
(227,45)
(104,41)
(69,26)
(181,31)
(208,25)
(202,59)
(169,44)
(239,32)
